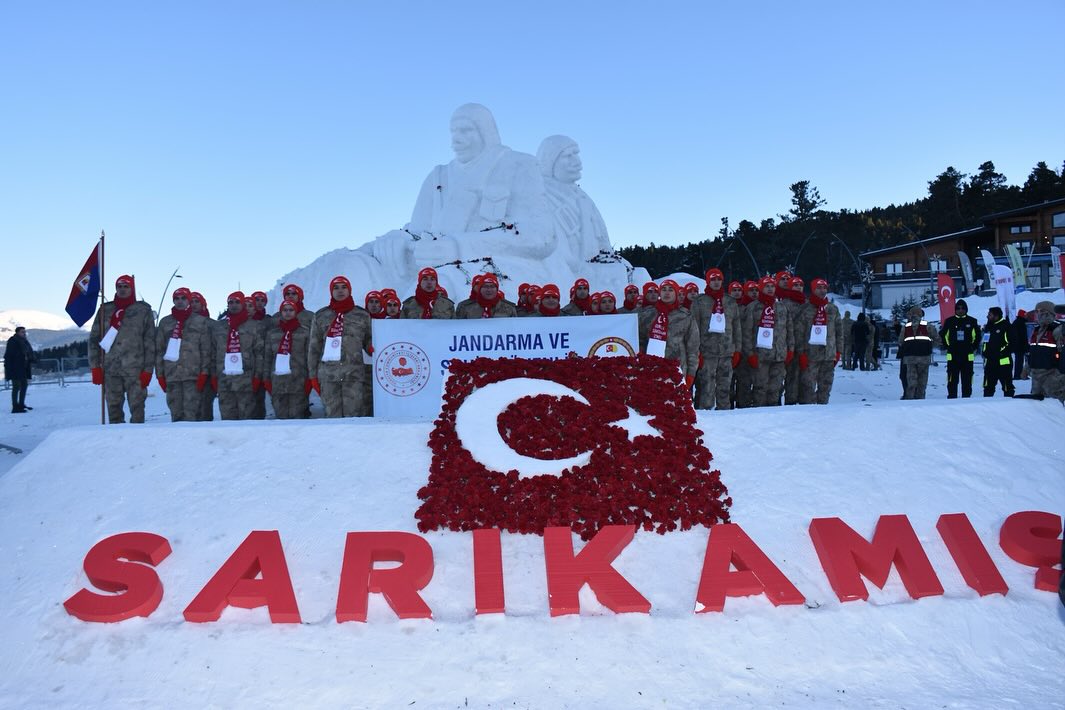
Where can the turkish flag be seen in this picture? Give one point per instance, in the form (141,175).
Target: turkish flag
(946,297)
(522,445)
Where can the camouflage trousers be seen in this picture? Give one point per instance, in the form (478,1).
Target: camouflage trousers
(817,381)
(792,381)
(768,380)
(916,379)
(259,405)
(184,401)
(119,389)
(207,404)
(712,383)
(289,405)
(345,398)
(744,380)
(1049,383)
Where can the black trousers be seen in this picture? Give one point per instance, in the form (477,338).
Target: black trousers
(1018,365)
(18,393)
(959,368)
(996,374)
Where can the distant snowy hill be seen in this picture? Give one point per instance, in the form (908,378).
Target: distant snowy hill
(45,330)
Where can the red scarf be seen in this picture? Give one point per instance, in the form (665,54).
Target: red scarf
(180,316)
(340,308)
(545,311)
(660,326)
(768,318)
(719,299)
(121,304)
(488,305)
(585,304)
(258,315)
(630,302)
(821,316)
(235,321)
(426,301)
(745,299)
(796,296)
(287,328)
(380,315)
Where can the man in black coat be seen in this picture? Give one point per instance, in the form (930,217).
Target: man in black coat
(961,337)
(998,363)
(17,360)
(1019,343)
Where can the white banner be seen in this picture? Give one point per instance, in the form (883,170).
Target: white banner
(989,264)
(1007,297)
(1055,267)
(411,356)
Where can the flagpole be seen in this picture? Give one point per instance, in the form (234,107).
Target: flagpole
(103,299)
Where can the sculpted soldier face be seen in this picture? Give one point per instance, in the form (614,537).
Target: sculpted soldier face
(568,166)
(466,140)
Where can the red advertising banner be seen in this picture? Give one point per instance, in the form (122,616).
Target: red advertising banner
(946,297)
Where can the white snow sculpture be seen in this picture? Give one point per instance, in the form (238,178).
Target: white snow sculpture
(488,210)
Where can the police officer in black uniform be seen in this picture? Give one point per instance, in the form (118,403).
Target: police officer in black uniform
(961,337)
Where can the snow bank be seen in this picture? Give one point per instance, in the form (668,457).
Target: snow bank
(206,486)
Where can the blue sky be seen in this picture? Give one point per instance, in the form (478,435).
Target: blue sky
(241,140)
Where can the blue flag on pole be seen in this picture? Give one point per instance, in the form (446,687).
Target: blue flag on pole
(86,289)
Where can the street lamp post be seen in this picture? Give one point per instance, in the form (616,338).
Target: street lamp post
(866,275)
(166,290)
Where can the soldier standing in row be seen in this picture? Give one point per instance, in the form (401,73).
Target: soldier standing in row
(208,394)
(238,355)
(1045,353)
(339,336)
(122,356)
(669,331)
(817,341)
(915,346)
(767,344)
(285,364)
(428,301)
(183,357)
(717,321)
(489,302)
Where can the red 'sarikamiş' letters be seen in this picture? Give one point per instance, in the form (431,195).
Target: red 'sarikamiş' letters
(846,557)
(566,573)
(120,564)
(1031,538)
(488,572)
(976,566)
(755,573)
(235,583)
(399,585)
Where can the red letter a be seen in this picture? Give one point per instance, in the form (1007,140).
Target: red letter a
(846,557)
(105,568)
(236,584)
(730,546)
(566,574)
(400,585)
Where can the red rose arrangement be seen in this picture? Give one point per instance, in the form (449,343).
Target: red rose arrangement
(659,483)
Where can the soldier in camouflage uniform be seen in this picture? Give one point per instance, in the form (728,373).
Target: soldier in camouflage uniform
(122,351)
(631,304)
(207,395)
(427,301)
(489,302)
(183,357)
(916,342)
(580,299)
(668,330)
(285,365)
(717,320)
(792,373)
(767,344)
(238,360)
(1045,353)
(340,335)
(845,332)
(292,292)
(743,377)
(817,342)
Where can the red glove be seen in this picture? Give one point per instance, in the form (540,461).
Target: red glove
(752,360)
(162,382)
(201,381)
(836,361)
(689,380)
(307,386)
(369,350)
(214,383)
(736,358)
(256,383)
(268,386)
(146,378)
(97,375)
(804,361)
(789,357)
(700,365)
(315,386)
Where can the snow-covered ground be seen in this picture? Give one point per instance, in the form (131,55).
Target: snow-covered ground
(205,486)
